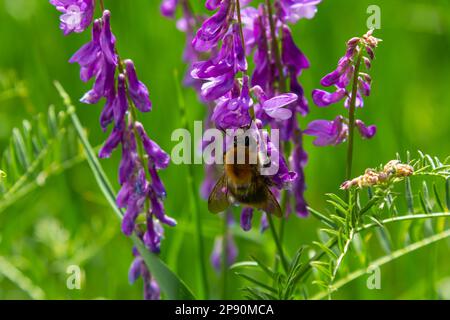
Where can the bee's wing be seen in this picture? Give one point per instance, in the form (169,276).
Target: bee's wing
(271,206)
(218,199)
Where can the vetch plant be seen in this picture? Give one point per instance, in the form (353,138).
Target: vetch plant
(245,67)
(141,191)
(351,84)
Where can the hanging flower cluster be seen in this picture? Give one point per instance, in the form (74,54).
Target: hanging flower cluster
(234,32)
(116,81)
(347,79)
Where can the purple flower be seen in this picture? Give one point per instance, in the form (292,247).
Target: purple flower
(276,107)
(342,77)
(293,10)
(138,269)
(221,70)
(214,28)
(216,255)
(88,55)
(323,98)
(299,160)
(157,156)
(111,143)
(98,58)
(366,132)
(76,14)
(138,91)
(232,111)
(168,8)
(246,218)
(328,132)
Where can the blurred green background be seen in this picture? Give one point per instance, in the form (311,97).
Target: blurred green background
(68,222)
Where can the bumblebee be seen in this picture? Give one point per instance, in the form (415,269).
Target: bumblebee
(242,182)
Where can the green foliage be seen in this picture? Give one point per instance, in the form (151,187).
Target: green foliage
(282,287)
(372,216)
(43,147)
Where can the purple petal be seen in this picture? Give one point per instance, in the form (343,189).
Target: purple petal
(246,218)
(107,40)
(323,98)
(366,132)
(138,91)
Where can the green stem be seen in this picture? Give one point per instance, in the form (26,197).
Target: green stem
(194,201)
(284,262)
(276,48)
(351,115)
(225,255)
(102,5)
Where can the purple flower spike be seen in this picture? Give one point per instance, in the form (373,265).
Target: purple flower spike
(76,15)
(328,132)
(366,132)
(138,91)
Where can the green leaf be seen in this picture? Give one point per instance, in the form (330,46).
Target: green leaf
(322,217)
(170,284)
(337,199)
(339,208)
(323,267)
(385,239)
(264,267)
(256,282)
(20,149)
(243,264)
(409,195)
(438,198)
(327,250)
